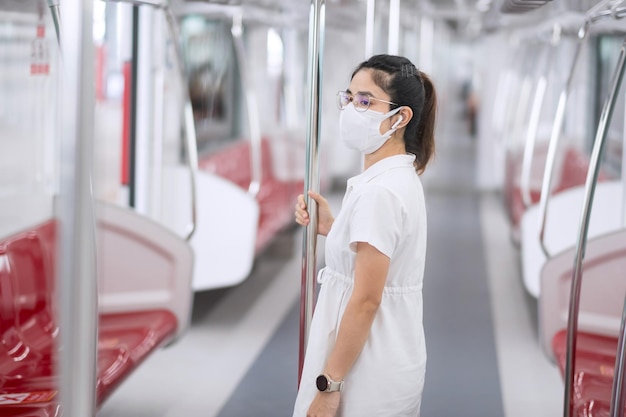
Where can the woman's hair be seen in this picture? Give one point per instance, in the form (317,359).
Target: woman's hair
(408,86)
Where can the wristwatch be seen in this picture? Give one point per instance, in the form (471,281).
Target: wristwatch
(325,384)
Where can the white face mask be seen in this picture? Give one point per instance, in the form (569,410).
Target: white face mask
(360,130)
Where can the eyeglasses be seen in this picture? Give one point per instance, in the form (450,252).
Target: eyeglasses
(361,101)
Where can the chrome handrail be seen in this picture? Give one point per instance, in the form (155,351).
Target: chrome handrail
(618,391)
(251,105)
(78,295)
(590,186)
(317,20)
(533,125)
(555,138)
(597,12)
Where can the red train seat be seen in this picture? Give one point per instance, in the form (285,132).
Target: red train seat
(601,302)
(571,171)
(595,363)
(29,330)
(276,197)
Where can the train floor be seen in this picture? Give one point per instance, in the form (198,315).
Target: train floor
(239,357)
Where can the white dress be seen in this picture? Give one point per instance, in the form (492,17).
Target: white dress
(383,206)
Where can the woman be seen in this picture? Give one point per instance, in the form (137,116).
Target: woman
(366,354)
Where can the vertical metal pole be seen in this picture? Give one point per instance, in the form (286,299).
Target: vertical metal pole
(77,272)
(56,17)
(590,187)
(369,28)
(618,394)
(317,17)
(394,27)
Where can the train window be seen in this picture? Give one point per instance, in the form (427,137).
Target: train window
(211,67)
(607,49)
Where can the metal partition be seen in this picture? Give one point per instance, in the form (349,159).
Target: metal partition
(590,186)
(317,19)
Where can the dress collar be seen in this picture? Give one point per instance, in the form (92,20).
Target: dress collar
(384,165)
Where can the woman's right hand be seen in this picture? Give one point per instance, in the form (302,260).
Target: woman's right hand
(325,218)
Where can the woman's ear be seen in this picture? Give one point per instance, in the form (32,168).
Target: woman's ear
(406,114)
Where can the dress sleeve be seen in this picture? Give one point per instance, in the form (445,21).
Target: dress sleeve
(376,219)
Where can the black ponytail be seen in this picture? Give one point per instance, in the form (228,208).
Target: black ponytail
(408,86)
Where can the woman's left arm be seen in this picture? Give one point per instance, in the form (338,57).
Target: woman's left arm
(370,273)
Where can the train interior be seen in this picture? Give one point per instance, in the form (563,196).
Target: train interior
(150,165)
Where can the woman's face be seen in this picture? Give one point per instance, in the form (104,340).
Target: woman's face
(363,83)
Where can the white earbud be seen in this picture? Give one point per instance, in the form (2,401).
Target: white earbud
(397,122)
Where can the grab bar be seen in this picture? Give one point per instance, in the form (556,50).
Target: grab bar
(590,186)
(555,138)
(317,20)
(533,125)
(594,14)
(251,103)
(618,392)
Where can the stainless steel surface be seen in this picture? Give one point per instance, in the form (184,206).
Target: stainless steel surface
(590,187)
(317,19)
(56,17)
(78,303)
(618,392)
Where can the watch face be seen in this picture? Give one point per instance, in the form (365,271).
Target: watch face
(322,383)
